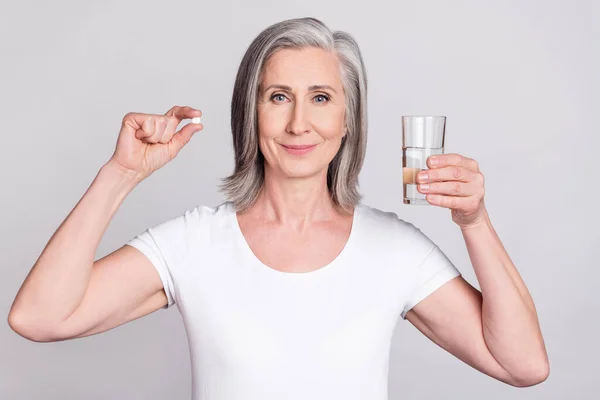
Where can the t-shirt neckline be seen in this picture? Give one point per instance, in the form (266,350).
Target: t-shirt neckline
(337,261)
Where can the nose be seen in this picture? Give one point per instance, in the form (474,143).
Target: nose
(299,123)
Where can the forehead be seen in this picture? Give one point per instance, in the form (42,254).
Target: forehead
(304,66)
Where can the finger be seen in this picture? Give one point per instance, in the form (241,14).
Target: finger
(153,129)
(135,123)
(146,130)
(169,125)
(443,160)
(452,173)
(452,188)
(452,202)
(158,128)
(472,164)
(182,113)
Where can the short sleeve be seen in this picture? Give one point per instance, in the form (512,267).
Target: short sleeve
(165,245)
(431,273)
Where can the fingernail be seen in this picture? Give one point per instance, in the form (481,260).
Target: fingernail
(423,176)
(433,161)
(424,187)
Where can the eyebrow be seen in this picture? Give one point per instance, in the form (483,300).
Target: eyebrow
(310,88)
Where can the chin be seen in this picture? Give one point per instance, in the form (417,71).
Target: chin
(301,170)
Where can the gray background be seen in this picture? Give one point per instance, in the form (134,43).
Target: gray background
(515,78)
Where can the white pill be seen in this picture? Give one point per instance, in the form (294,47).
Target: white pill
(196,120)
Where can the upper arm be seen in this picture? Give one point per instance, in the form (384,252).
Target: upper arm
(123,286)
(451,318)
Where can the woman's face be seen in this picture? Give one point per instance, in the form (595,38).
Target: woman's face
(300,103)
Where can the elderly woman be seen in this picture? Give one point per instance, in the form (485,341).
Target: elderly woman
(291,288)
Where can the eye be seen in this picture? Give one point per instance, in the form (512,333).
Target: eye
(277,95)
(321,96)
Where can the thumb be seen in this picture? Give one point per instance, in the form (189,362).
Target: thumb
(181,138)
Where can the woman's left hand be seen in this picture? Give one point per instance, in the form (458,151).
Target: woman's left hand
(454,182)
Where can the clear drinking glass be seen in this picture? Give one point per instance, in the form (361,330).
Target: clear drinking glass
(422,136)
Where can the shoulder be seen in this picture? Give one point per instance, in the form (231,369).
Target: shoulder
(192,222)
(386,220)
(208,212)
(387,224)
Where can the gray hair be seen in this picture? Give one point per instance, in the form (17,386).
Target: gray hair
(243,186)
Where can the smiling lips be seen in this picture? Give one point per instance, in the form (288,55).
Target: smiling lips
(298,149)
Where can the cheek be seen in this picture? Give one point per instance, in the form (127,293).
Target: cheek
(271,120)
(330,125)
(269,128)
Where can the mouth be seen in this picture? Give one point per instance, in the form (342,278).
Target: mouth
(298,149)
(298,146)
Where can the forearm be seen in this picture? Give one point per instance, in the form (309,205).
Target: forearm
(59,279)
(510,324)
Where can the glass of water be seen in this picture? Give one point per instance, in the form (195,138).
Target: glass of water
(422,136)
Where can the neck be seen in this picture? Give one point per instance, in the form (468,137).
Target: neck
(295,201)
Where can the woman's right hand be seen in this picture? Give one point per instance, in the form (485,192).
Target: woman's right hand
(148,141)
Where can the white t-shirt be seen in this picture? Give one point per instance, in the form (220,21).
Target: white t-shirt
(256,333)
